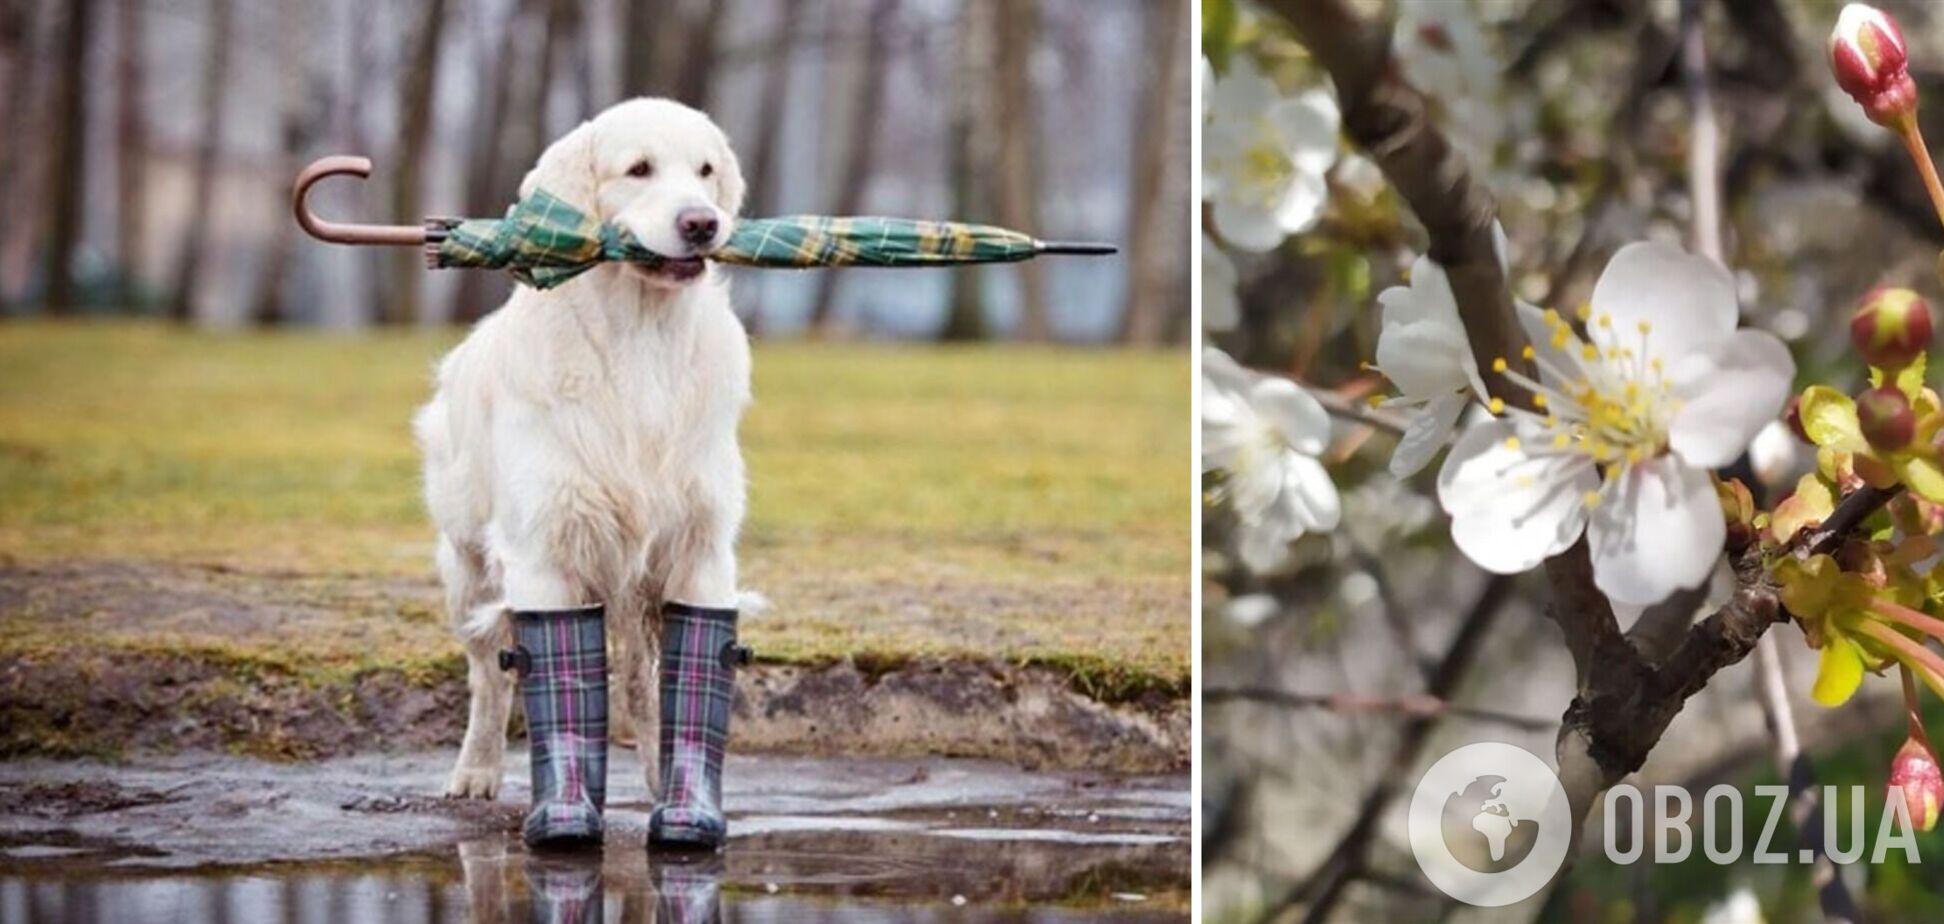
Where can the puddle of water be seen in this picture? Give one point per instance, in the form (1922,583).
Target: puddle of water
(208,839)
(776,877)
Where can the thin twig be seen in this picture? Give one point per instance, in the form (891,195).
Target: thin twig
(1417,705)
(1347,862)
(1805,800)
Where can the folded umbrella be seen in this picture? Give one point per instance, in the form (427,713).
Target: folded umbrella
(544,241)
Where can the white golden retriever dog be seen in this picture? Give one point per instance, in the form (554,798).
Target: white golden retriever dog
(581,447)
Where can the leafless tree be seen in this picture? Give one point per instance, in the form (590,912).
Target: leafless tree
(300,117)
(131,152)
(1017,163)
(68,164)
(1159,134)
(868,101)
(18,57)
(215,91)
(486,191)
(415,132)
(966,148)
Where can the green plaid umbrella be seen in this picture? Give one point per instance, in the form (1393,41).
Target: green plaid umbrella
(545,242)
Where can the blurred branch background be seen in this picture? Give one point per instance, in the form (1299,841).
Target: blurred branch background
(151,144)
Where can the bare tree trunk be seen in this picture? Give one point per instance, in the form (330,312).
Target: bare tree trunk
(870,91)
(766,175)
(408,191)
(1149,264)
(299,121)
(765,165)
(698,64)
(1018,156)
(485,192)
(970,161)
(18,46)
(131,154)
(69,160)
(215,89)
(648,34)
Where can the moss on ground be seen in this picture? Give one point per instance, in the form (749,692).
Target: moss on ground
(1022,504)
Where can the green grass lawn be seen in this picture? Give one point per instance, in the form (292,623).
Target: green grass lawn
(905,501)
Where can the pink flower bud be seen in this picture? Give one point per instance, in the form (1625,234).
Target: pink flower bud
(1914,773)
(1866,50)
(1891,328)
(1888,422)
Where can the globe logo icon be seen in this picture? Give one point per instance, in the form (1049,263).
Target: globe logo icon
(1490,824)
(1481,831)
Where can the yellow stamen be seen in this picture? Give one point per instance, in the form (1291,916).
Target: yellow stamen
(1499,365)
(1497,406)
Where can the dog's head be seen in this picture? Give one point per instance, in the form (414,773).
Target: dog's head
(658,168)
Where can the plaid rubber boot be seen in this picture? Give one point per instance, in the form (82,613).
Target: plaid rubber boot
(688,888)
(564,889)
(699,658)
(562,660)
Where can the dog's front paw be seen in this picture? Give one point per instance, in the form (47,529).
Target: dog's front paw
(473,783)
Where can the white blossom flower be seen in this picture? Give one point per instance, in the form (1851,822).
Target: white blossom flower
(1265,433)
(1627,428)
(1264,157)
(1221,310)
(1778,456)
(1443,49)
(1422,350)
(1738,907)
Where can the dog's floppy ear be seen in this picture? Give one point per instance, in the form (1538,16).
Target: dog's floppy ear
(729,186)
(567,170)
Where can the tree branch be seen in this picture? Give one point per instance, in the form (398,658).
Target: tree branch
(1413,705)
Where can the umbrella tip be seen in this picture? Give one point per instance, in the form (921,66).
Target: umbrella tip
(1083,248)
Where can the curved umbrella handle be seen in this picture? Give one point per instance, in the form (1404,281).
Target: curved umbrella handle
(344,233)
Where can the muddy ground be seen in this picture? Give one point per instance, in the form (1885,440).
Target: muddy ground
(109,659)
(918,840)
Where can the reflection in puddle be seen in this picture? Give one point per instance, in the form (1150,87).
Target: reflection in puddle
(493,880)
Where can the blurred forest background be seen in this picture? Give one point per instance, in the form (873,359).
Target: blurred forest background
(1333,680)
(151,145)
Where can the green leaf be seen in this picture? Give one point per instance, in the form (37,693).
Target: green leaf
(1812,502)
(1839,672)
(1829,417)
(1923,476)
(1808,584)
(1910,379)
(1218,32)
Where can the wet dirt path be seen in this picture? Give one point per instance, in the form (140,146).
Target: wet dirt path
(215,838)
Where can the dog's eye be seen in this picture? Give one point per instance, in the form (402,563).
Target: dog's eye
(640,169)
(708,170)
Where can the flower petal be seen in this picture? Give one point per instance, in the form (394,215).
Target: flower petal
(1309,125)
(1423,359)
(1302,202)
(1304,425)
(1838,672)
(1687,300)
(1510,511)
(1427,433)
(1730,389)
(1246,225)
(1659,530)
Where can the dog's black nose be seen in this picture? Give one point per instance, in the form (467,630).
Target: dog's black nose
(697,226)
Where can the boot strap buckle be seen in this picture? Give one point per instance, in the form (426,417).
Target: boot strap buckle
(734,656)
(515,659)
